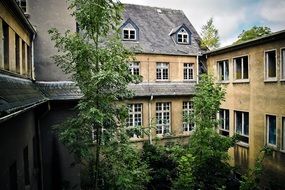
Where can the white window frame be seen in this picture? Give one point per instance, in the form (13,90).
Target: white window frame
(242,125)
(266,66)
(223,120)
(267,130)
(282,64)
(223,73)
(183,34)
(129,34)
(134,67)
(187,109)
(188,71)
(135,115)
(162,126)
(160,68)
(242,68)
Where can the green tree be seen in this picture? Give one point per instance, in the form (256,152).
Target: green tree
(97,62)
(252,33)
(205,166)
(210,36)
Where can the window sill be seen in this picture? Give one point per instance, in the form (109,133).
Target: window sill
(242,144)
(162,81)
(224,82)
(191,80)
(271,80)
(274,147)
(241,81)
(282,80)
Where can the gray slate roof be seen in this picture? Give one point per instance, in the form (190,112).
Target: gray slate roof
(163,89)
(155,27)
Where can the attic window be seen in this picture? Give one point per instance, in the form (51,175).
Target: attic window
(183,36)
(129,34)
(22,4)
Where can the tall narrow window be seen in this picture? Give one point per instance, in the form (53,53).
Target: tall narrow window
(283,133)
(223,70)
(17,52)
(26,166)
(241,68)
(270,64)
(183,36)
(162,118)
(6,44)
(162,71)
(188,71)
(283,63)
(134,121)
(242,125)
(13,177)
(134,68)
(224,116)
(23,57)
(188,125)
(29,59)
(271,129)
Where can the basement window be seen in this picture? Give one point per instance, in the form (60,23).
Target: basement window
(270,65)
(271,130)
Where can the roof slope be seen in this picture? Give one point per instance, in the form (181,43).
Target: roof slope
(155,25)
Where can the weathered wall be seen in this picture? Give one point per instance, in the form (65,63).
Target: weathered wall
(15,135)
(259,98)
(45,15)
(176,64)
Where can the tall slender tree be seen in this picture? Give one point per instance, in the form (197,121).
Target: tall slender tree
(97,62)
(210,36)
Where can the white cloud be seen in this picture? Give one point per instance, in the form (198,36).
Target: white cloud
(273,11)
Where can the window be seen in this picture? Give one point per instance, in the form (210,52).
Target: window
(29,59)
(182,36)
(134,68)
(162,71)
(17,52)
(224,116)
(271,129)
(270,64)
(26,165)
(129,32)
(13,179)
(22,4)
(241,68)
(223,70)
(283,133)
(6,44)
(23,57)
(187,108)
(283,63)
(242,125)
(163,118)
(134,121)
(188,71)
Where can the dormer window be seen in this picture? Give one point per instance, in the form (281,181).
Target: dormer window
(182,36)
(130,31)
(129,34)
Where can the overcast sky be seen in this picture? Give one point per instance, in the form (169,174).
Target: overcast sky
(230,16)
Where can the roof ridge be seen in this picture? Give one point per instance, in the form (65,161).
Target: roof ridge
(164,8)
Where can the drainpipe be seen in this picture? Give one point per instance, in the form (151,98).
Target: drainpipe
(33,62)
(149,117)
(197,70)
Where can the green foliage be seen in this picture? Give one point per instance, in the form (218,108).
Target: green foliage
(210,36)
(252,33)
(251,179)
(97,61)
(205,165)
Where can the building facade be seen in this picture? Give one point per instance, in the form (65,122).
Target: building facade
(253,75)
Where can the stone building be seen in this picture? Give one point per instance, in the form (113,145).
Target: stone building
(253,74)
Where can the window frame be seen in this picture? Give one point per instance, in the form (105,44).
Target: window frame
(268,131)
(245,136)
(161,66)
(266,76)
(188,71)
(133,67)
(132,114)
(6,46)
(242,79)
(163,112)
(183,38)
(129,34)
(282,64)
(282,147)
(187,111)
(223,61)
(225,121)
